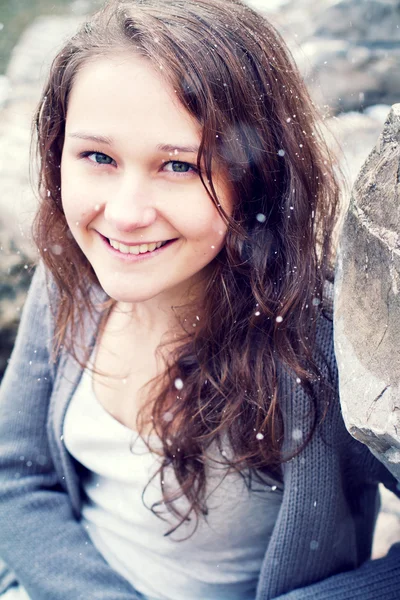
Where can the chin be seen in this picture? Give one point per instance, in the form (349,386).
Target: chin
(125,294)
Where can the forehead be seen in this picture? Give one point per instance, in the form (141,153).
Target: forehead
(124,95)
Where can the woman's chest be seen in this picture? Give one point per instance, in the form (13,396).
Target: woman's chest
(124,367)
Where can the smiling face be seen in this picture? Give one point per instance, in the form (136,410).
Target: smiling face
(131,193)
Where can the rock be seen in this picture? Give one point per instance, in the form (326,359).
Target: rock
(348,51)
(367,301)
(25,75)
(361,21)
(357,134)
(14,283)
(351,136)
(4,90)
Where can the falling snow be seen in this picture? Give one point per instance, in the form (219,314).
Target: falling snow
(260,436)
(178,383)
(297,435)
(56,249)
(261,218)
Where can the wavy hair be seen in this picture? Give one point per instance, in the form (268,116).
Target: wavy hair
(232,71)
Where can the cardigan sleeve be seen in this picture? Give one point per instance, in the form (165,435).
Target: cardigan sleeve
(40,540)
(375,579)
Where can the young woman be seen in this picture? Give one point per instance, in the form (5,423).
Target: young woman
(169,421)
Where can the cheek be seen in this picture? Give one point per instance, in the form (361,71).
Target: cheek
(210,236)
(200,220)
(74,210)
(219,228)
(70,193)
(79,203)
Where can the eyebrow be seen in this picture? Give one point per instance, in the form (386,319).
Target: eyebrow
(92,138)
(170,148)
(181,149)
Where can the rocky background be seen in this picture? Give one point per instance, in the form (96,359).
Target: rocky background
(349,54)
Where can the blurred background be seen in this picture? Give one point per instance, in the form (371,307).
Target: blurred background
(16,15)
(347,50)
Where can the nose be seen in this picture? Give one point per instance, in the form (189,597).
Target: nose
(130,207)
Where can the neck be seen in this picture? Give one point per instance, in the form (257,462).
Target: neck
(164,314)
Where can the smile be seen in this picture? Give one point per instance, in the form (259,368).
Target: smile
(137,248)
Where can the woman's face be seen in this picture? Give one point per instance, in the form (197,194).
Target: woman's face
(131,193)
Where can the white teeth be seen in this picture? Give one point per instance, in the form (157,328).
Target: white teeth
(137,249)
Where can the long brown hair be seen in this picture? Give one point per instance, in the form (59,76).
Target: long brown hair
(232,71)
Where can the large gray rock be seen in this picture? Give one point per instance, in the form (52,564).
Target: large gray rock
(367,304)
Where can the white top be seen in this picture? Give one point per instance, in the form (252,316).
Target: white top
(223,557)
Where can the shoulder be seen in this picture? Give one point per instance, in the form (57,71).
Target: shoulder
(321,358)
(37,308)
(324,329)
(81,319)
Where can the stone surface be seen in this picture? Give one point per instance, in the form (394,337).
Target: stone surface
(4,90)
(352,135)
(367,316)
(348,50)
(22,85)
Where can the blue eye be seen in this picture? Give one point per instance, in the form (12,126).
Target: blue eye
(99,157)
(177,166)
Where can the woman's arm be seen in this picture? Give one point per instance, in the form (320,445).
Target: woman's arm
(47,548)
(374,580)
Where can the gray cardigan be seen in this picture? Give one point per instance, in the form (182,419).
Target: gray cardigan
(321,543)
